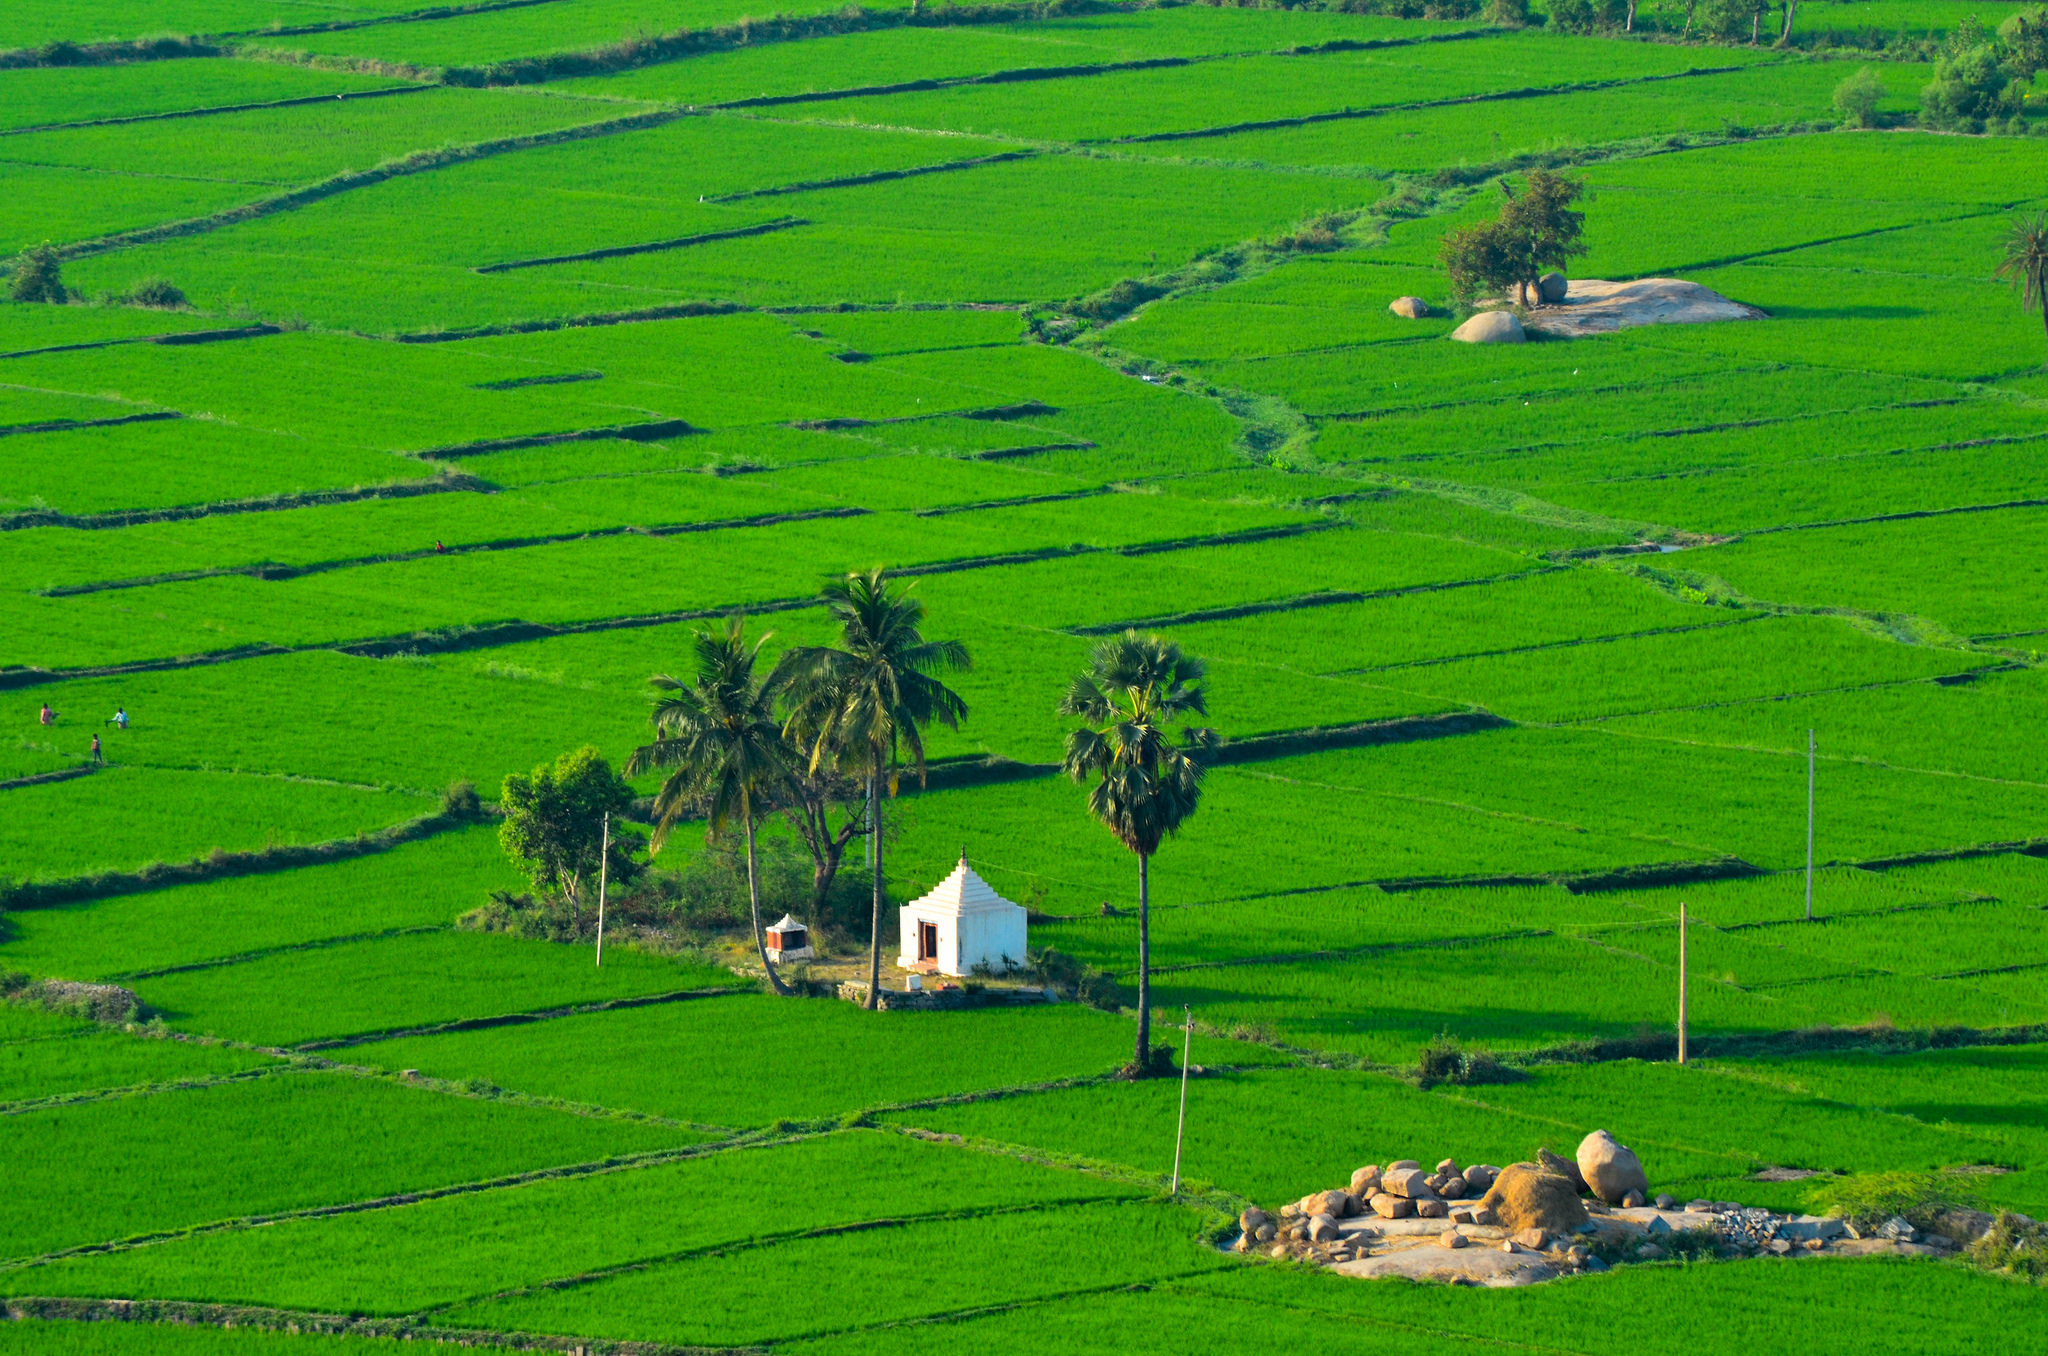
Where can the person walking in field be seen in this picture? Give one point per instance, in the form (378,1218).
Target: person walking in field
(48,717)
(97,757)
(119,720)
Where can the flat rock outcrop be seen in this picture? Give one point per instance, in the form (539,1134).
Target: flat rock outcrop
(1591,306)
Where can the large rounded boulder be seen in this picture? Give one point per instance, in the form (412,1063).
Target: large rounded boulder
(1552,288)
(1611,1170)
(1409,308)
(1525,1196)
(1491,327)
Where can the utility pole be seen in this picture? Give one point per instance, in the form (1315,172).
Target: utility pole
(1809,826)
(1681,983)
(604,862)
(1181,1129)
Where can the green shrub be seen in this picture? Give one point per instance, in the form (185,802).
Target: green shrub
(158,294)
(1970,88)
(1508,13)
(1444,1060)
(1867,1200)
(1857,98)
(460,801)
(2013,1246)
(38,276)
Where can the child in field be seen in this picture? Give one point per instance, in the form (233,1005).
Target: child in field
(96,757)
(119,720)
(48,716)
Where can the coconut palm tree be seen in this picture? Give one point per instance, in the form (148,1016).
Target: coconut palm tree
(1136,688)
(2025,264)
(864,704)
(718,736)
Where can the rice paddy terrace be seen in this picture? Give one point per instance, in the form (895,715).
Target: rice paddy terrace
(521,340)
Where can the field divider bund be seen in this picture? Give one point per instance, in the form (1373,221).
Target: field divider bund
(1357,952)
(1343,114)
(653,431)
(88,1096)
(445,483)
(652,247)
(510,1019)
(487,635)
(198,1314)
(299,102)
(1301,602)
(1575,642)
(1026,74)
(419,162)
(262,953)
(260,861)
(1012,453)
(877,176)
(616,1163)
(168,337)
(67,425)
(62,774)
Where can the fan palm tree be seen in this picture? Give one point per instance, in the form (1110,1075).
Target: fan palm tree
(2025,264)
(865,704)
(1136,688)
(718,736)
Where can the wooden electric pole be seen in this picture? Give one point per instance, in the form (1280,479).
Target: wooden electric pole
(1809,826)
(1681,983)
(1180,1129)
(604,861)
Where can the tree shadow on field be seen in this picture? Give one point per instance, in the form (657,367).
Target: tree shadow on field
(1848,312)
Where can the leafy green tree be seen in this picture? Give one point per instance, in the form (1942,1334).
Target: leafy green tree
(1970,89)
(1507,13)
(724,750)
(1479,261)
(1137,688)
(554,822)
(1543,230)
(2025,265)
(864,704)
(1857,98)
(1572,16)
(38,276)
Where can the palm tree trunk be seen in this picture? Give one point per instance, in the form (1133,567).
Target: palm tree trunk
(1629,26)
(1791,12)
(2044,319)
(1144,964)
(875,933)
(754,902)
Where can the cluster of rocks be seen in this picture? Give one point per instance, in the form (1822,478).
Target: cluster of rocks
(1530,1222)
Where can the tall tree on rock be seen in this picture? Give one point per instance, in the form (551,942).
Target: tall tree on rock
(1136,690)
(717,735)
(1536,230)
(865,703)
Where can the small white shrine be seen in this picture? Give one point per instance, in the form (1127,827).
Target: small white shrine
(961,924)
(789,940)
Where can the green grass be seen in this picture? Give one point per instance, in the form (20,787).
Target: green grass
(1493,133)
(715,1062)
(127,817)
(281,147)
(1257,88)
(888,56)
(386,983)
(717,1300)
(144,1164)
(84,21)
(55,1066)
(171,463)
(477,39)
(44,96)
(467,1247)
(148,1339)
(419,885)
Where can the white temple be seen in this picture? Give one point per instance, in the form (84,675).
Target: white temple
(961,924)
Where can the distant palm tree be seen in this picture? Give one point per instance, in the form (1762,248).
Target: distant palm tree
(1135,689)
(2025,264)
(718,734)
(865,704)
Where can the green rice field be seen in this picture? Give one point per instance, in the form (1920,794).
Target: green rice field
(426,378)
